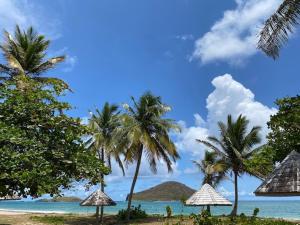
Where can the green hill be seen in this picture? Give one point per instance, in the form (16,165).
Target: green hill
(61,199)
(168,191)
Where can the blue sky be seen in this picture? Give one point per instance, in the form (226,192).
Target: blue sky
(178,49)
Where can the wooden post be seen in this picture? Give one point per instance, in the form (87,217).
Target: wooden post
(97,215)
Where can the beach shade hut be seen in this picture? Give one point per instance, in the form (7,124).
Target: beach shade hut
(284,180)
(207,196)
(98,198)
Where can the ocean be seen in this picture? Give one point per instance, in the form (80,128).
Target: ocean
(277,209)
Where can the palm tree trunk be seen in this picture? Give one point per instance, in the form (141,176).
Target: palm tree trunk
(138,164)
(102,186)
(208,209)
(97,215)
(236,194)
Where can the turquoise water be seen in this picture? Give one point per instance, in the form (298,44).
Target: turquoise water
(278,209)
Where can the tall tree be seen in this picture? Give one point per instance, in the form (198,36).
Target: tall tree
(41,149)
(145,131)
(235,146)
(278,27)
(285,128)
(214,169)
(103,124)
(25,55)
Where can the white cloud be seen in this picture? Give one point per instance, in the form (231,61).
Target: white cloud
(186,140)
(70,63)
(228,97)
(185,37)
(231,97)
(222,190)
(25,14)
(233,38)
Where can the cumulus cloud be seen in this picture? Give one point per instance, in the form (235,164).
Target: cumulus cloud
(228,97)
(186,140)
(233,37)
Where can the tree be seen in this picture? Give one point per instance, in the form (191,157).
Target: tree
(278,27)
(25,56)
(213,168)
(41,149)
(235,147)
(146,131)
(285,128)
(103,124)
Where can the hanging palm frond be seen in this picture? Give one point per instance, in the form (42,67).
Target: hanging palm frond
(277,28)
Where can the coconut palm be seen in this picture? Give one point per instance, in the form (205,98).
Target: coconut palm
(25,56)
(278,27)
(235,146)
(103,124)
(213,168)
(145,131)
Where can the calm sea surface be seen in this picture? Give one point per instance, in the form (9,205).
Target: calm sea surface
(278,209)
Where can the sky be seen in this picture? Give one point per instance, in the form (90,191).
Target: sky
(199,56)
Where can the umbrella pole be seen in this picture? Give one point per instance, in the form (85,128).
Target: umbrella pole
(97,215)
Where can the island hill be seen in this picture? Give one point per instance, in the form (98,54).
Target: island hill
(167,191)
(61,199)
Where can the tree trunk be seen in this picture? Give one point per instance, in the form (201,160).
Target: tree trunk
(236,194)
(97,215)
(140,152)
(102,186)
(208,209)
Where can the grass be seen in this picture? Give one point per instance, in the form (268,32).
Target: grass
(73,219)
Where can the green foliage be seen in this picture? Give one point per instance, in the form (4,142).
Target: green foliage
(135,213)
(25,56)
(261,162)
(242,220)
(41,148)
(285,127)
(55,220)
(255,212)
(103,124)
(235,147)
(169,211)
(212,167)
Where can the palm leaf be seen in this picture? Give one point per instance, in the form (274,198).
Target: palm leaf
(277,28)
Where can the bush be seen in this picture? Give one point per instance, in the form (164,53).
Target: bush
(255,212)
(135,213)
(169,211)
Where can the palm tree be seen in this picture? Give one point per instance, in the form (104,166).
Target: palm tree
(25,56)
(103,124)
(278,27)
(144,131)
(213,168)
(235,146)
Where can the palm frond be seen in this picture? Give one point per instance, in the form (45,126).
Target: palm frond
(277,28)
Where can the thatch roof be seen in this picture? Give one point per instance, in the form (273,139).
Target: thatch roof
(284,180)
(207,196)
(98,198)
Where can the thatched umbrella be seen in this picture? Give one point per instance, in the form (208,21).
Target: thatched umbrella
(207,196)
(98,198)
(284,180)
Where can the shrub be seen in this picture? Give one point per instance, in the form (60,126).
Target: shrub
(169,211)
(135,213)
(255,212)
